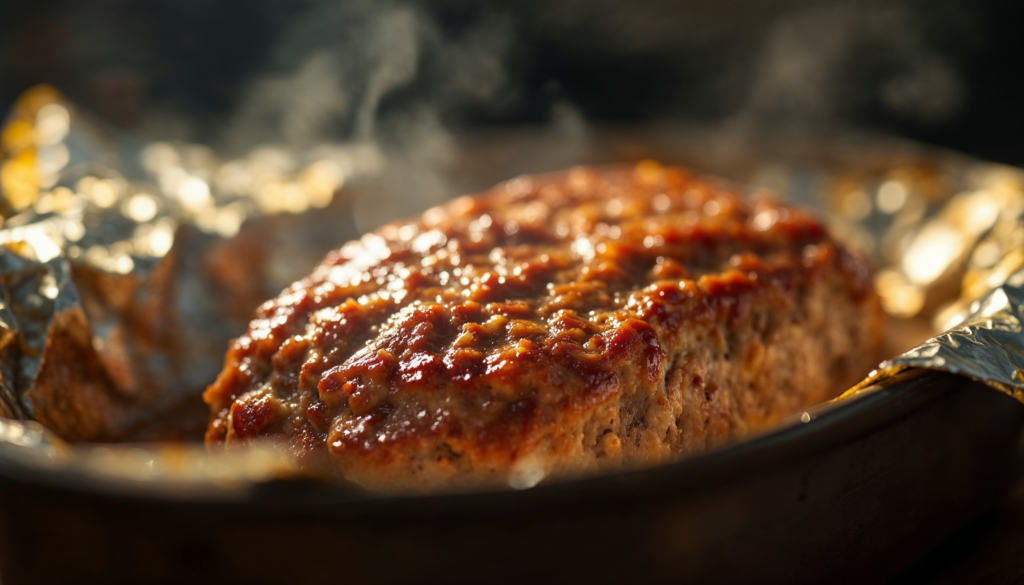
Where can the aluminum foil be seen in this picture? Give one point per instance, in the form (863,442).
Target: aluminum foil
(985,342)
(125,266)
(960,266)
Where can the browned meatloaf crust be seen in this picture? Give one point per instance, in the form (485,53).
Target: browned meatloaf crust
(563,323)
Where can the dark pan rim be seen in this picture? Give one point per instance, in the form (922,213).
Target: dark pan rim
(822,428)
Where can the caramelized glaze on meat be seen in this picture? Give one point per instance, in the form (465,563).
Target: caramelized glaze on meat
(562,323)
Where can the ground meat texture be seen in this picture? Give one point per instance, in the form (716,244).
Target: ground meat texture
(558,324)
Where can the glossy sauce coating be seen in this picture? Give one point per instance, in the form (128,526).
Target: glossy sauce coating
(468,341)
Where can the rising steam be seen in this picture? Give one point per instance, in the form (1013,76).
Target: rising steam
(389,75)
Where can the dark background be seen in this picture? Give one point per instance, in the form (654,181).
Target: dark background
(941,71)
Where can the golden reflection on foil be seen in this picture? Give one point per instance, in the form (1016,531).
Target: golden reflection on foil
(986,255)
(103,258)
(892,196)
(19,179)
(159,157)
(932,253)
(52,124)
(40,242)
(978,282)
(18,134)
(981,210)
(233,177)
(321,180)
(103,194)
(900,297)
(73,230)
(140,207)
(154,239)
(30,147)
(225,221)
(48,287)
(194,194)
(855,204)
(283,196)
(51,160)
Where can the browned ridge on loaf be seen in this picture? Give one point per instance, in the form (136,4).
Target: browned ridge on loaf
(565,323)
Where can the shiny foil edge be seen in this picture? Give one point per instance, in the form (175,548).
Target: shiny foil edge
(985,345)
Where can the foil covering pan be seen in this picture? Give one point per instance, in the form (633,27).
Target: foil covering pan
(127,266)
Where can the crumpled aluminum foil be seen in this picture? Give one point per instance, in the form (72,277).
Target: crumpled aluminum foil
(960,265)
(146,258)
(125,268)
(985,343)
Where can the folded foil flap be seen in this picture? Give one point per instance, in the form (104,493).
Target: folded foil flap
(987,344)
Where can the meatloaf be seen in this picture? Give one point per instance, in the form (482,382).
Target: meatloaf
(566,323)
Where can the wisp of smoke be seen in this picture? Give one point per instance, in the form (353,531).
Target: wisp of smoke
(341,70)
(388,74)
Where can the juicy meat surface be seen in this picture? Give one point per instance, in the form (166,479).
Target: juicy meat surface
(564,323)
